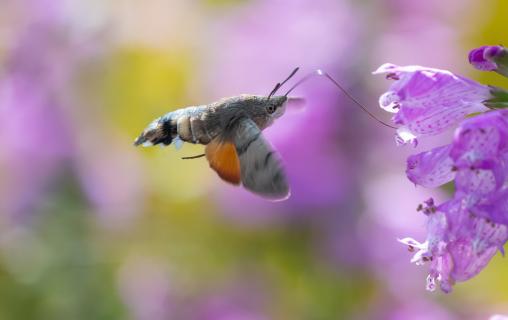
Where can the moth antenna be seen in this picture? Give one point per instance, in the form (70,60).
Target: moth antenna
(320,72)
(277,86)
(280,84)
(290,76)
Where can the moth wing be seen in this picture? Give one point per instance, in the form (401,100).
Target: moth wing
(261,167)
(223,159)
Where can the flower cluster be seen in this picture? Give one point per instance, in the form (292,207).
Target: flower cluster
(465,232)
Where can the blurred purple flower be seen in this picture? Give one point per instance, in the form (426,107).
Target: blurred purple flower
(490,58)
(41,139)
(428,101)
(100,168)
(145,289)
(231,306)
(411,309)
(241,297)
(429,22)
(34,132)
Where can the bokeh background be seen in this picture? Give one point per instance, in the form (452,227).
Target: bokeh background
(93,228)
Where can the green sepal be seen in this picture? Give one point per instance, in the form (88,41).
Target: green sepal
(499,98)
(501,61)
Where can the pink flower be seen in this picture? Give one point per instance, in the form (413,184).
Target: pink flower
(428,101)
(464,233)
(459,243)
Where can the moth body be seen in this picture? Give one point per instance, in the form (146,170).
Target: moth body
(231,129)
(202,124)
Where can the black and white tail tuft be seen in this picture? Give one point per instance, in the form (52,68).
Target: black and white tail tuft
(159,131)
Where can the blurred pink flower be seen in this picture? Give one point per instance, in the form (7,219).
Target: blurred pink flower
(145,289)
(34,130)
(240,299)
(410,28)
(41,122)
(418,310)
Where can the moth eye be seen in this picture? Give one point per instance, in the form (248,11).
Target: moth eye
(270,109)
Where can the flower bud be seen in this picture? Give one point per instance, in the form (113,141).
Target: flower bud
(490,58)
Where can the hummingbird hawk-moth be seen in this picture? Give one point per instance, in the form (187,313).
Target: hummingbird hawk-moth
(231,131)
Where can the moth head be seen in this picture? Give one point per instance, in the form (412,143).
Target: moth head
(276,106)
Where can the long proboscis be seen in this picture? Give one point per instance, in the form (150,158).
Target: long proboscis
(320,72)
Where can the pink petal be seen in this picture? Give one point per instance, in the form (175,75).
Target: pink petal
(431,168)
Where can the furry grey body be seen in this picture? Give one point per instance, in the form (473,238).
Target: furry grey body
(202,124)
(238,121)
